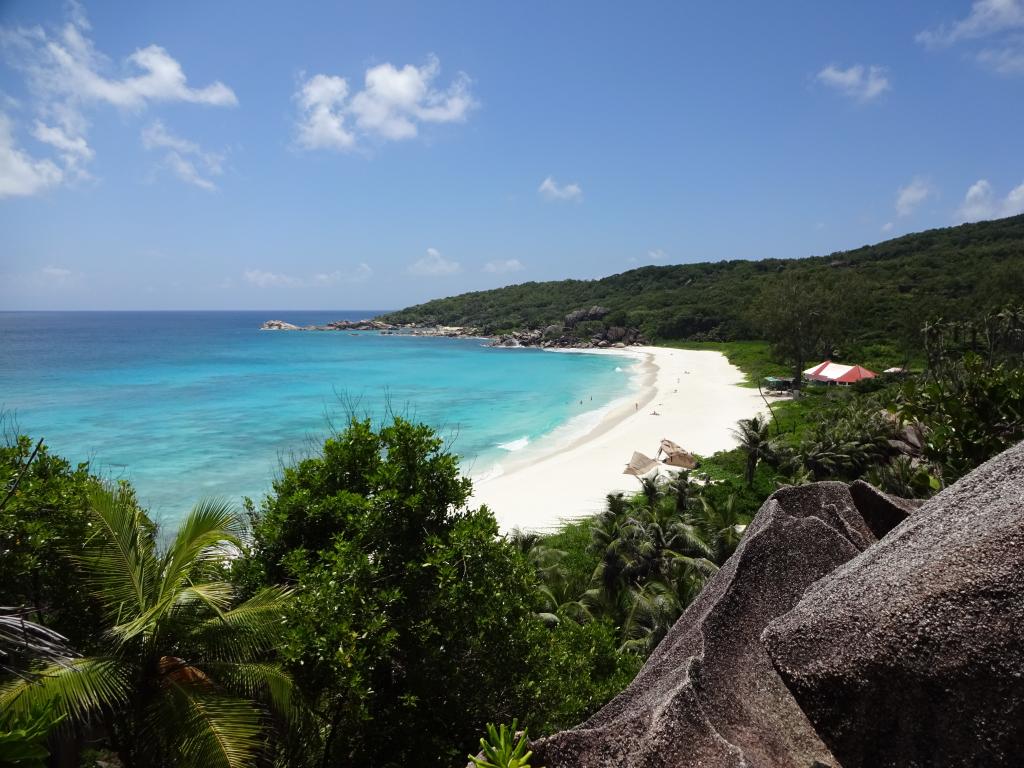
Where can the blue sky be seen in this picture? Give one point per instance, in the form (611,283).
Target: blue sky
(340,155)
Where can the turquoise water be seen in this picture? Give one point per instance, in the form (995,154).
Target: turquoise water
(193,404)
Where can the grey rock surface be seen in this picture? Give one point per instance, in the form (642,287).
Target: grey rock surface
(709,695)
(912,653)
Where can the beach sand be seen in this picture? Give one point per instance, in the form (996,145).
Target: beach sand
(698,399)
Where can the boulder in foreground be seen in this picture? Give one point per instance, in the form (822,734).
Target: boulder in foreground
(709,695)
(912,654)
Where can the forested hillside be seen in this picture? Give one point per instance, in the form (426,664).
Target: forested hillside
(882,292)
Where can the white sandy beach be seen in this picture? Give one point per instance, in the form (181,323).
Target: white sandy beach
(698,399)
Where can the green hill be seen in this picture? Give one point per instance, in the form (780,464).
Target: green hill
(884,292)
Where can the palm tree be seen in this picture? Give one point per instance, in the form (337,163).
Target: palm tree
(755,442)
(721,527)
(184,677)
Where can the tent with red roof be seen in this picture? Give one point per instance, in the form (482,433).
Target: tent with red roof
(836,373)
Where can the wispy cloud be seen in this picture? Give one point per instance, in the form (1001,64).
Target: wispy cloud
(987,17)
(433,264)
(183,156)
(392,105)
(981,203)
(360,273)
(653,255)
(859,82)
(67,76)
(22,175)
(550,189)
(58,274)
(503,266)
(1000,22)
(909,197)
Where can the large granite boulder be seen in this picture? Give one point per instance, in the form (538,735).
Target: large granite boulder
(709,695)
(912,654)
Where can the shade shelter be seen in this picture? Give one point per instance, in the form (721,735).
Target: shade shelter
(836,373)
(676,456)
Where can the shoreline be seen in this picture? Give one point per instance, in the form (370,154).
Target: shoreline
(691,397)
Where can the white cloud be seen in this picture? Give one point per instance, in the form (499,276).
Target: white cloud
(186,170)
(263,279)
(55,136)
(550,189)
(322,126)
(183,156)
(858,82)
(1001,20)
(392,105)
(434,264)
(360,274)
(911,196)
(654,254)
(1006,60)
(502,267)
(58,274)
(20,174)
(981,203)
(67,74)
(888,227)
(987,17)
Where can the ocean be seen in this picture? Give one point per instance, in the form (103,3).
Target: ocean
(188,405)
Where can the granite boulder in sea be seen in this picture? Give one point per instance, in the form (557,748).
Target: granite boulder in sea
(848,629)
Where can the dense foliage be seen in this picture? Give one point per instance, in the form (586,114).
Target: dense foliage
(645,558)
(414,623)
(182,674)
(882,292)
(44,518)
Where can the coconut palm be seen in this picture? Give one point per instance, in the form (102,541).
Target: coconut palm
(184,677)
(721,526)
(755,442)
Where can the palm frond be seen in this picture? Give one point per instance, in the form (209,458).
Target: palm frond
(246,631)
(263,682)
(24,638)
(202,541)
(215,730)
(76,688)
(120,556)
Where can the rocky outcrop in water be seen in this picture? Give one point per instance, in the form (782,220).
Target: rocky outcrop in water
(850,628)
(279,325)
(912,654)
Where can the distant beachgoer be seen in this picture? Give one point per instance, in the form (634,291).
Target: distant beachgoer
(655,413)
(636,406)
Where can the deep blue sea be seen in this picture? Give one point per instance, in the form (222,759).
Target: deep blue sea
(194,404)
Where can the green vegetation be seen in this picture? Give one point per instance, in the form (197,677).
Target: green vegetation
(501,748)
(367,616)
(183,674)
(878,295)
(414,624)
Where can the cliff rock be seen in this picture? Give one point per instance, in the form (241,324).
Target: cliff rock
(912,654)
(709,695)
